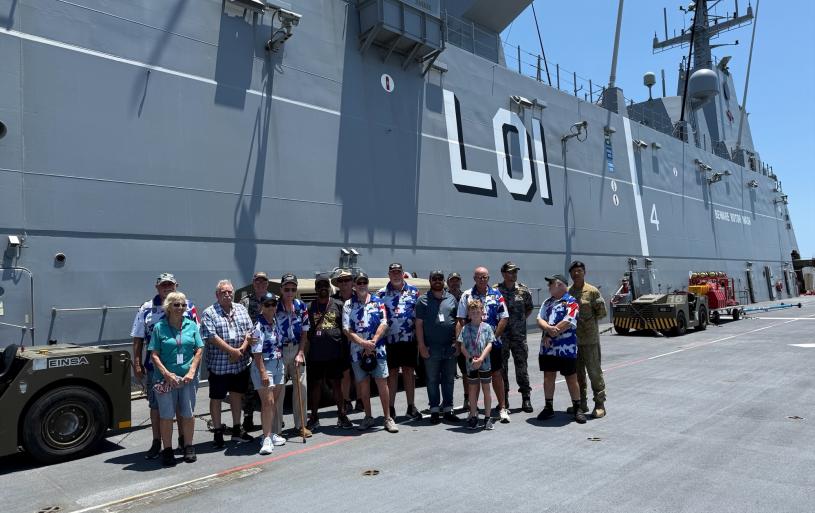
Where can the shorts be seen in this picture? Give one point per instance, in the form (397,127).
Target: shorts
(274,368)
(479,376)
(403,354)
(566,366)
(220,384)
(326,370)
(180,399)
(381,370)
(497,358)
(149,381)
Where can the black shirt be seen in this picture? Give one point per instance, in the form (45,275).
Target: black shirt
(325,332)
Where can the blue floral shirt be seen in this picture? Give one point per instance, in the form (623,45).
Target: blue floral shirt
(553,311)
(401,306)
(364,319)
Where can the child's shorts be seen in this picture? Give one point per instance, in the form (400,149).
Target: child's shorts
(480,376)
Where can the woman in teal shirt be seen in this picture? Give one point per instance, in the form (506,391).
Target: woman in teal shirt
(176,347)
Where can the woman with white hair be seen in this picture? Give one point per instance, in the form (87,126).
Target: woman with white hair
(176,347)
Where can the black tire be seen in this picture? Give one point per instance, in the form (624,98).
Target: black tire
(703,319)
(714,317)
(736,313)
(65,423)
(681,325)
(620,330)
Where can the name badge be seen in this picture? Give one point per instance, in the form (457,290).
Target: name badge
(441,317)
(319,333)
(179,359)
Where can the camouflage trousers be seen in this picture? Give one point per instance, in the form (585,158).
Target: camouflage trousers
(520,353)
(588,362)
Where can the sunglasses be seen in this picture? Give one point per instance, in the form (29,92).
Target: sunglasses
(514,271)
(290,290)
(437,278)
(344,280)
(395,271)
(269,305)
(362,283)
(178,305)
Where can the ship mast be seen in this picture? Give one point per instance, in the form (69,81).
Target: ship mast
(703,31)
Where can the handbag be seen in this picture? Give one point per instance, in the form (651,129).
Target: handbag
(368,362)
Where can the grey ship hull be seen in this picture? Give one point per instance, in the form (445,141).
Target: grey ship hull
(144,139)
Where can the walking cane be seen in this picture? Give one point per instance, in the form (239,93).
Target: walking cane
(300,401)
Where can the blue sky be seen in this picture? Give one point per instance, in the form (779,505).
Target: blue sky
(579,36)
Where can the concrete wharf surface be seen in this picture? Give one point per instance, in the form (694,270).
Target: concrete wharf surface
(714,421)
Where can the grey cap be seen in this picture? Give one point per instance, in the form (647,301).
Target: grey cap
(554,277)
(166,277)
(453,275)
(436,273)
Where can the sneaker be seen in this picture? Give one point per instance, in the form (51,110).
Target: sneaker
(189,454)
(390,425)
(526,405)
(489,424)
(472,423)
(344,422)
(167,457)
(154,451)
(239,435)
(434,418)
(580,417)
(413,413)
(367,423)
(503,414)
(599,410)
(584,407)
(392,412)
(267,447)
(218,437)
(312,423)
(278,440)
(546,413)
(451,417)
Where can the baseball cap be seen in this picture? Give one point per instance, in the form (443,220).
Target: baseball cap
(577,263)
(435,273)
(269,298)
(453,275)
(396,266)
(509,267)
(260,274)
(554,277)
(322,278)
(163,277)
(361,275)
(288,278)
(339,274)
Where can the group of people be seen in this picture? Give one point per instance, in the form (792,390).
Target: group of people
(254,346)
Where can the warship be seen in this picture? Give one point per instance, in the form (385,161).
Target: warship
(214,138)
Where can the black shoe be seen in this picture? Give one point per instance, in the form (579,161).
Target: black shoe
(547,413)
(413,413)
(189,454)
(312,423)
(451,417)
(472,423)
(526,405)
(218,439)
(167,457)
(249,424)
(392,411)
(580,417)
(349,407)
(344,422)
(239,435)
(155,450)
(434,418)
(180,449)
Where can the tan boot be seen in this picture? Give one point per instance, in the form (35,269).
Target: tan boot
(599,410)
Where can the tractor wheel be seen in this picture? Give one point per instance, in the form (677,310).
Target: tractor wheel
(681,325)
(714,317)
(703,319)
(65,423)
(620,330)
(736,313)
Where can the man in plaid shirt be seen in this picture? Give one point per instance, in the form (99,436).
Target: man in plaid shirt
(225,326)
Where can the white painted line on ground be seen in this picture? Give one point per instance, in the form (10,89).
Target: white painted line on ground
(803,345)
(786,318)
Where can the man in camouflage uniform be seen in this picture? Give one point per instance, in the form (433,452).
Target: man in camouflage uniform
(251,401)
(519,304)
(592,309)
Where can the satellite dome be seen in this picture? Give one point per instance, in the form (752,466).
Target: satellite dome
(703,85)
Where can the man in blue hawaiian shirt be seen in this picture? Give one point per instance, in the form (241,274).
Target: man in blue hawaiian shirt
(558,351)
(400,300)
